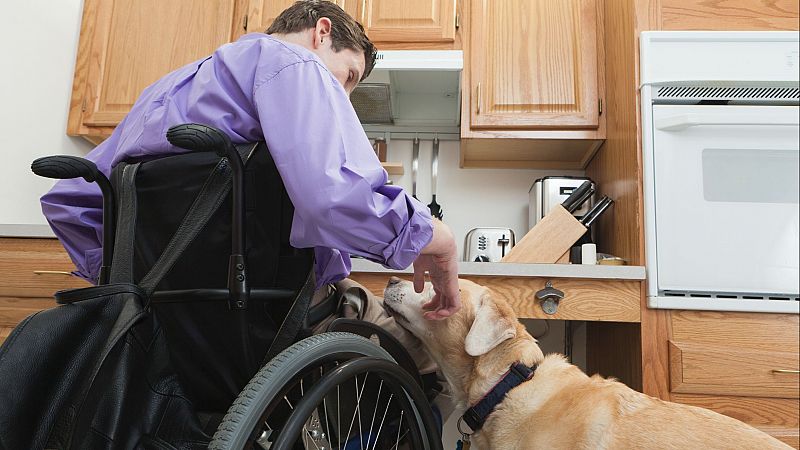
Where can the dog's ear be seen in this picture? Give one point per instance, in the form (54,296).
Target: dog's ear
(488,330)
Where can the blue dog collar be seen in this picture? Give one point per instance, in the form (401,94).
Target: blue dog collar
(476,415)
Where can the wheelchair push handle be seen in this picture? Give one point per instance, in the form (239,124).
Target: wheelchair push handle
(204,138)
(201,138)
(65,167)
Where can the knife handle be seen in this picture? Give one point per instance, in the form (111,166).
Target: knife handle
(570,204)
(596,212)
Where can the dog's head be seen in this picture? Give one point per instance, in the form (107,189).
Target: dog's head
(481,325)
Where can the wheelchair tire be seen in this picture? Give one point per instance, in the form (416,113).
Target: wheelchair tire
(421,429)
(248,408)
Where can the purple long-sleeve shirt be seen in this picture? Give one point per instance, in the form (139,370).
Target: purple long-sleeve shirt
(261,88)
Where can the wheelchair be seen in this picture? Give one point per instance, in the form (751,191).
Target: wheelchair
(237,306)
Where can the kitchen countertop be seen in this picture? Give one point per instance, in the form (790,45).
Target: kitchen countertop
(26,230)
(361,265)
(522,270)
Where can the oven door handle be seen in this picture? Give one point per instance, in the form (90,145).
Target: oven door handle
(683,121)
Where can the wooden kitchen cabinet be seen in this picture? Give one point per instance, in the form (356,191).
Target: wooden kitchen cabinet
(410,21)
(533,64)
(533,83)
(126,45)
(33,270)
(261,13)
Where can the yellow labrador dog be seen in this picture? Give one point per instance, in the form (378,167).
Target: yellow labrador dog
(559,407)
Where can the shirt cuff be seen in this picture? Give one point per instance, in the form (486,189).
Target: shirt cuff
(89,268)
(417,234)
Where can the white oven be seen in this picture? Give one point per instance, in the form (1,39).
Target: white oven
(721,154)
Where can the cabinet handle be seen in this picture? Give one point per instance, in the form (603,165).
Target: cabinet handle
(52,272)
(788,371)
(479,99)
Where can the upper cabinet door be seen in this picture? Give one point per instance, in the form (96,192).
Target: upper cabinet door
(533,64)
(135,42)
(262,13)
(409,20)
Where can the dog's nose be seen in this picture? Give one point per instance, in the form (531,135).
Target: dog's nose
(394,280)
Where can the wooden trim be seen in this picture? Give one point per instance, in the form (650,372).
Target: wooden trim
(77,99)
(655,353)
(616,167)
(592,300)
(547,153)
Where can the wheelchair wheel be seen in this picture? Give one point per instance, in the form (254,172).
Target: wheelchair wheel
(260,410)
(313,422)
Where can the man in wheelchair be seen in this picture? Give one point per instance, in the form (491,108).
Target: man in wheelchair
(312,192)
(288,87)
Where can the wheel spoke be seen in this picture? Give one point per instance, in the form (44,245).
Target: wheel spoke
(382,420)
(399,428)
(358,407)
(327,421)
(358,410)
(375,411)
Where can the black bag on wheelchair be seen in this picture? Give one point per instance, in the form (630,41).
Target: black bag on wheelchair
(150,359)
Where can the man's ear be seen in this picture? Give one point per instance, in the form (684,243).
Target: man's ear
(488,330)
(322,31)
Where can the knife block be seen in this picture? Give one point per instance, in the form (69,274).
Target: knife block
(549,241)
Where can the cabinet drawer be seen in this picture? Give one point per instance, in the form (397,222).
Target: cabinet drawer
(35,268)
(731,370)
(758,331)
(584,299)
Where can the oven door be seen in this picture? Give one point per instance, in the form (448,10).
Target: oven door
(726,199)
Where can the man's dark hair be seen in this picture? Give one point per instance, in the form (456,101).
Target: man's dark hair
(345,31)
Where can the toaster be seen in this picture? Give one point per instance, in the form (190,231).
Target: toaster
(488,244)
(547,192)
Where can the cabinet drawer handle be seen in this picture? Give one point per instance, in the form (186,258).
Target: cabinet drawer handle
(788,371)
(52,272)
(479,99)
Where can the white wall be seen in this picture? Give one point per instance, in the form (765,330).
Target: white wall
(38,44)
(470,197)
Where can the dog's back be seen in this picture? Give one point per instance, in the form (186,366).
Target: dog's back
(566,409)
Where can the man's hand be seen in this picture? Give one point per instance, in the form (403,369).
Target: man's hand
(439,259)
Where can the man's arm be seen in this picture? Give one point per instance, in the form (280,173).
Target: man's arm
(331,173)
(440,260)
(74,210)
(338,186)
